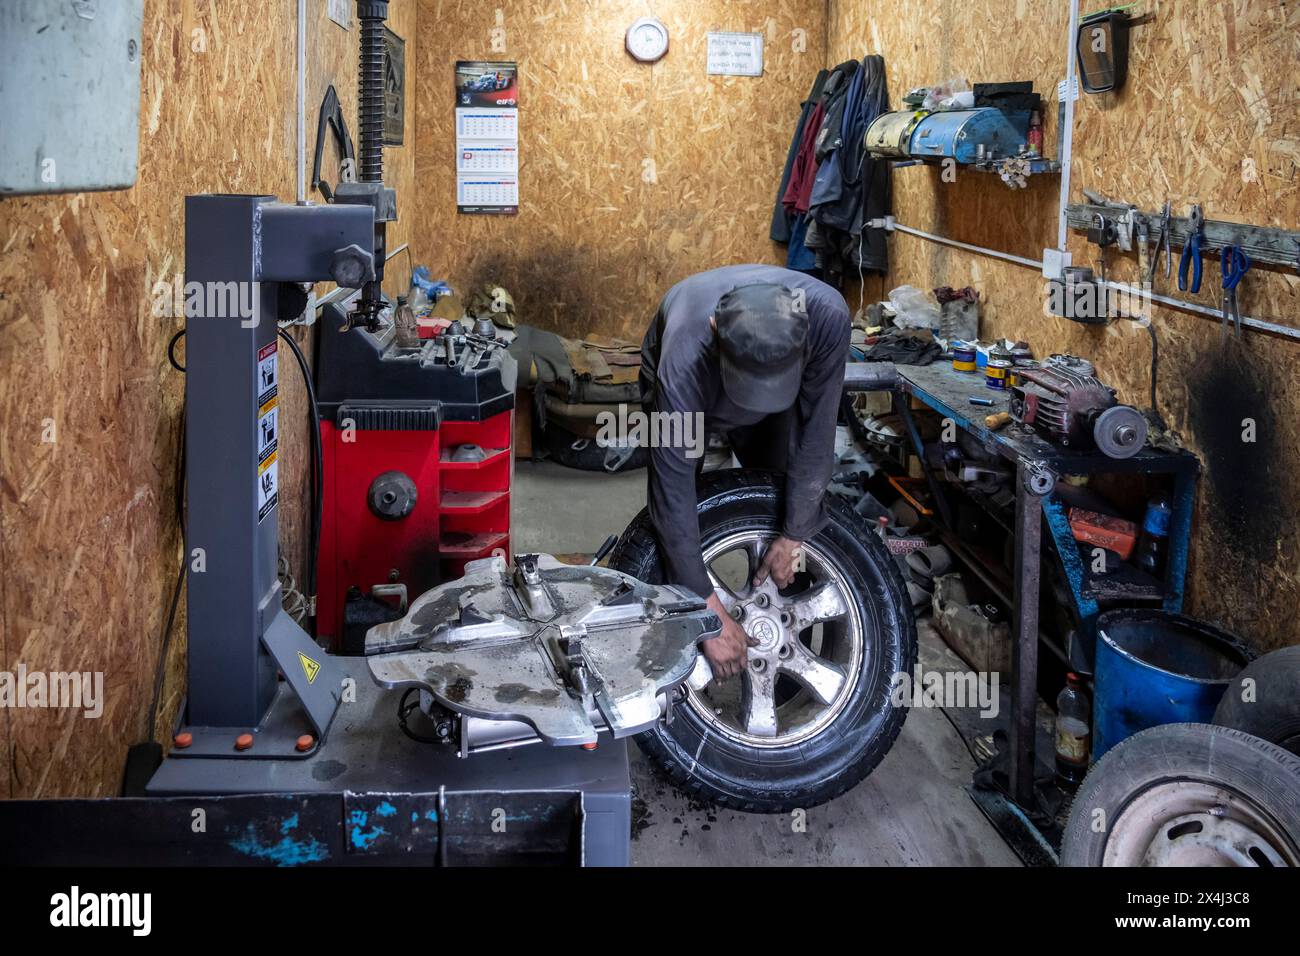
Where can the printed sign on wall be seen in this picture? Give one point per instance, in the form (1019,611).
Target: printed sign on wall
(735,54)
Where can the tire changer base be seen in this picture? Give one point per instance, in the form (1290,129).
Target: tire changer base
(543,652)
(535,653)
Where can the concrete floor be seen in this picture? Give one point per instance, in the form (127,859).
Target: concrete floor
(912,810)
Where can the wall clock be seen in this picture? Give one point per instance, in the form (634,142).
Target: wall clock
(647,40)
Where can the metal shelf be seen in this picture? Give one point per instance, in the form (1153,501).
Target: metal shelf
(1037,167)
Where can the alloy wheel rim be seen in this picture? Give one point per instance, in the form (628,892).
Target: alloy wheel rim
(810,651)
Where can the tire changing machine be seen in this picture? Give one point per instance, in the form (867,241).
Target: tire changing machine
(296,756)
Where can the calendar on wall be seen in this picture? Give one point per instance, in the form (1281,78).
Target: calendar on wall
(487,137)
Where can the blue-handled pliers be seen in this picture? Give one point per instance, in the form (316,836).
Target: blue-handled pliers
(1234,264)
(1192,253)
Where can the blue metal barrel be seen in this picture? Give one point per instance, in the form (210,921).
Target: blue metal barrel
(1155,667)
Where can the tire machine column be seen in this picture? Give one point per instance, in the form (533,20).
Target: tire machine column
(240,637)
(246,258)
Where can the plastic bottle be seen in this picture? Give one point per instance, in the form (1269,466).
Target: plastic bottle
(1153,541)
(418,300)
(1073,733)
(425,292)
(407,329)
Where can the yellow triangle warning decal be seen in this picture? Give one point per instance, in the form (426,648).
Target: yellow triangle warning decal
(309,667)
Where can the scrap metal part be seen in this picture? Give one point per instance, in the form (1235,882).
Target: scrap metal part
(556,646)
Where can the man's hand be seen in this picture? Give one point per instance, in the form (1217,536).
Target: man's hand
(727,653)
(781,560)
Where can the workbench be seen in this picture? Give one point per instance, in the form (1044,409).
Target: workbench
(1037,463)
(370,796)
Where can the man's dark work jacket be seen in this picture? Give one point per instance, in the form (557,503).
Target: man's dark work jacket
(680,374)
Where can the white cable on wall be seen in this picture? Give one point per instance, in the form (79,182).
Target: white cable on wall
(1071,92)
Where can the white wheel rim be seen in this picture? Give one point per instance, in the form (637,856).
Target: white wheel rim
(1196,823)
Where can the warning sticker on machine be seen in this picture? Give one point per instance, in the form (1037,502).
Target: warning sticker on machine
(268,374)
(268,428)
(268,485)
(310,668)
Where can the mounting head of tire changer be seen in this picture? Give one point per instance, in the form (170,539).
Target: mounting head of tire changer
(568,650)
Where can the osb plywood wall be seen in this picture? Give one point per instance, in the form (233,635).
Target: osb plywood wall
(90,407)
(1210,114)
(633,176)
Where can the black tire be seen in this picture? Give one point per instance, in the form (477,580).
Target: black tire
(706,764)
(585,454)
(1264,775)
(1273,710)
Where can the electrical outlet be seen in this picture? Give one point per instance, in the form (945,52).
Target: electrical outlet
(1055,263)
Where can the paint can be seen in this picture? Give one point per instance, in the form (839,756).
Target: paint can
(963,357)
(1021,359)
(997,371)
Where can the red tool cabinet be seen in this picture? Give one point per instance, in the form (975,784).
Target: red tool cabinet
(401,425)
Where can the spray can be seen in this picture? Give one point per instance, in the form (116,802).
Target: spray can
(1035,143)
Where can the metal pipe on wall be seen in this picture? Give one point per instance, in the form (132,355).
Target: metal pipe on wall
(982,250)
(1262,325)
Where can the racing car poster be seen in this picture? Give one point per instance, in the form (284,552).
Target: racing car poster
(487,84)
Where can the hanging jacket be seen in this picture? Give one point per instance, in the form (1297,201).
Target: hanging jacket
(799,188)
(798,256)
(834,99)
(782,218)
(799,191)
(851,187)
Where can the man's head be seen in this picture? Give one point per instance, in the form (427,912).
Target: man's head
(762,333)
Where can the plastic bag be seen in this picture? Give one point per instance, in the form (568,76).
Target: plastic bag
(952,94)
(425,292)
(914,309)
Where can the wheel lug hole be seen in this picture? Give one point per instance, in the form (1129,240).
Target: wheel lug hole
(762,600)
(786,618)
(785,652)
(758,664)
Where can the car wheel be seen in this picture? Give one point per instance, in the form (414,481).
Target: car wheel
(812,714)
(1187,795)
(1264,700)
